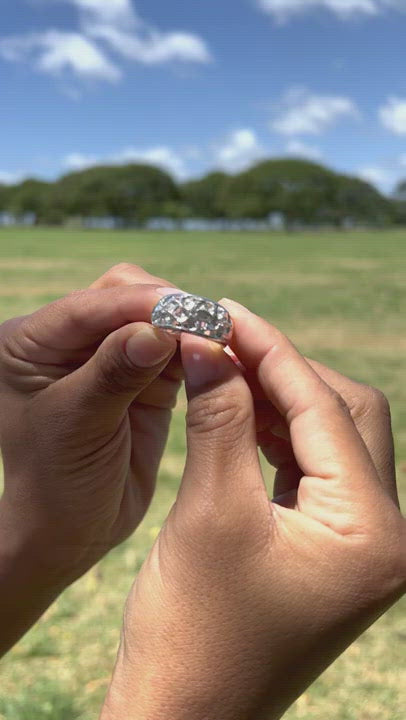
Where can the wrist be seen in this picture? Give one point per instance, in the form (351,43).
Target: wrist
(29,581)
(49,548)
(141,691)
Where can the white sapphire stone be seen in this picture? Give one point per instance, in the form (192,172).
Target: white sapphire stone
(195,315)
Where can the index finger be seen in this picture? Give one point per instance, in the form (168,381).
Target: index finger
(339,475)
(81,320)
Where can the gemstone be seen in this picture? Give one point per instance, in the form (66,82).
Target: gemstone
(193,314)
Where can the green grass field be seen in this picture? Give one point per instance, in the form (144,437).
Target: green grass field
(342,299)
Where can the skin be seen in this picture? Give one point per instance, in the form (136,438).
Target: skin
(243,602)
(82,430)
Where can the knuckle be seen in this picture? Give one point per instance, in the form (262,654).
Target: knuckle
(124,268)
(116,376)
(11,350)
(218,413)
(74,305)
(371,402)
(378,401)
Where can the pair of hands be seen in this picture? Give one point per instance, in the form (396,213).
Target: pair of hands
(242,602)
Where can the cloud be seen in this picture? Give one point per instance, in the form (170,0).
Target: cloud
(160,156)
(393,115)
(104,27)
(375,175)
(79,161)
(117,12)
(117,24)
(152,47)
(9,178)
(54,51)
(301,149)
(283,10)
(304,113)
(240,150)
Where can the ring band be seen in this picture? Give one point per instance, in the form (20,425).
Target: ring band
(194,315)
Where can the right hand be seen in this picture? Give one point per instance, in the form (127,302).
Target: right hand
(243,602)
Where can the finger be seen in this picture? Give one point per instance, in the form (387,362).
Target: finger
(161,393)
(127,274)
(371,414)
(60,331)
(174,370)
(279,453)
(222,472)
(339,476)
(126,363)
(164,390)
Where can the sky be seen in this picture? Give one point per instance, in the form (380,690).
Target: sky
(196,85)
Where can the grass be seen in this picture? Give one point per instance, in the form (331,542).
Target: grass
(341,298)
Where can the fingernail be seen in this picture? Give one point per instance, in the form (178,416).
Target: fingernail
(149,347)
(163,291)
(233,304)
(204,363)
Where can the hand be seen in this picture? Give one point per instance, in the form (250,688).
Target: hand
(243,602)
(87,388)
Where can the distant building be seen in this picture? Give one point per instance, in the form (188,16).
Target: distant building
(274,222)
(8,219)
(102,223)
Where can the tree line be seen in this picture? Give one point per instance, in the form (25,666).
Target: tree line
(302,192)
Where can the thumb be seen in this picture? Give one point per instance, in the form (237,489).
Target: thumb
(126,363)
(222,480)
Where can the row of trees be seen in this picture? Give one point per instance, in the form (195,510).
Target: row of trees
(302,192)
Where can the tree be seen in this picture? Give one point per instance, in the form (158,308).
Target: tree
(305,192)
(359,201)
(29,196)
(296,188)
(202,196)
(5,197)
(399,204)
(131,192)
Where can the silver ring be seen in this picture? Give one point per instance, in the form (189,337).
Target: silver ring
(194,315)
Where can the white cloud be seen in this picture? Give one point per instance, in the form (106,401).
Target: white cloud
(240,150)
(116,23)
(160,156)
(104,26)
(79,161)
(282,10)
(55,51)
(301,149)
(304,113)
(9,178)
(153,47)
(376,176)
(393,115)
(117,12)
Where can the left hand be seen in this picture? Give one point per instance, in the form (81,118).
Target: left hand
(87,388)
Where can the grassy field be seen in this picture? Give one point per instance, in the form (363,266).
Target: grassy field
(342,299)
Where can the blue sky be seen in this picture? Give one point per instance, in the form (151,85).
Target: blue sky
(201,84)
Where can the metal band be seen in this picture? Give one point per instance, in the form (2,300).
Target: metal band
(194,315)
